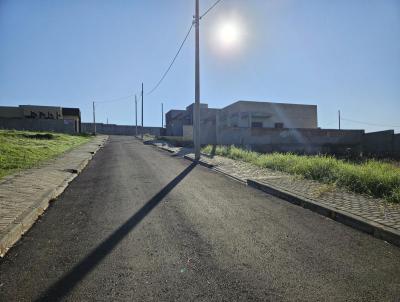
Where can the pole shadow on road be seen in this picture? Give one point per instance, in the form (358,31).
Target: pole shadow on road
(62,287)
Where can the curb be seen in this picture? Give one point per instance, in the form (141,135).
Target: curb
(356,222)
(242,181)
(149,143)
(14,231)
(164,149)
(367,226)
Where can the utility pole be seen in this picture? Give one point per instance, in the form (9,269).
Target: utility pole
(136,113)
(196,117)
(142,114)
(162,115)
(94,119)
(339,118)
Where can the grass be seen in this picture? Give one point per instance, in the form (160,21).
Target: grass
(25,149)
(372,177)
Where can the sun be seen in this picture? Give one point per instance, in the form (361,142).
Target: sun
(229,34)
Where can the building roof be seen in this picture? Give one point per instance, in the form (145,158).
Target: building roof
(265,102)
(71,111)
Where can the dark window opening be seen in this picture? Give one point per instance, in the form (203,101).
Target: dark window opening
(279,125)
(256,125)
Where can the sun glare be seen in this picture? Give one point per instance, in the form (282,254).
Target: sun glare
(229,34)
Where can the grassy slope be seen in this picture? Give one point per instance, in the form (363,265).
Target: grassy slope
(23,149)
(372,177)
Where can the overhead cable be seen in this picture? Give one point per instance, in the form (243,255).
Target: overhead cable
(173,61)
(211,7)
(371,124)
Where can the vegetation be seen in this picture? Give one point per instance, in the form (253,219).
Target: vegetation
(372,177)
(25,149)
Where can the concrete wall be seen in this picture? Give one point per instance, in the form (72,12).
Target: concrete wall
(207,133)
(310,141)
(174,128)
(10,112)
(381,144)
(36,125)
(396,145)
(112,129)
(187,131)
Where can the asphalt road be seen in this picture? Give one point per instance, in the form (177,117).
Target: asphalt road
(139,225)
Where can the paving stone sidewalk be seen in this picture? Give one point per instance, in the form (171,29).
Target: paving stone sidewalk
(371,209)
(25,195)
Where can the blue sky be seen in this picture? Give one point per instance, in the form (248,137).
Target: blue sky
(342,54)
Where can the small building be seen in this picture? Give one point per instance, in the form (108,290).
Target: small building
(176,120)
(244,114)
(250,114)
(72,116)
(32,117)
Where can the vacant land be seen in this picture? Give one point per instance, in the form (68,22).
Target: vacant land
(374,178)
(25,149)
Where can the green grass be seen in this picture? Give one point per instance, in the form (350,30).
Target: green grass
(372,177)
(25,149)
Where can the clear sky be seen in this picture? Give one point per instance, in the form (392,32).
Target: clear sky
(342,54)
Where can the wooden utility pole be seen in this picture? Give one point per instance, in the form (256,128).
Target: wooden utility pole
(94,119)
(339,118)
(136,114)
(142,114)
(196,113)
(162,115)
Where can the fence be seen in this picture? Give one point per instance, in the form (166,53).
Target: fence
(112,129)
(381,144)
(37,125)
(307,141)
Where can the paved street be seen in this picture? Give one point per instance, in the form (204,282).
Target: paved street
(139,224)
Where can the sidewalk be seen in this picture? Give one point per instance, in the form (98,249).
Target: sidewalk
(374,216)
(24,196)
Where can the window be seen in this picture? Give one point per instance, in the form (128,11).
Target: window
(256,125)
(279,125)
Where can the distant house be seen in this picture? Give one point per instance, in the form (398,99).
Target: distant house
(249,114)
(176,120)
(32,117)
(245,114)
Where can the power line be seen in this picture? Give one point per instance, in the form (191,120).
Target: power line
(371,124)
(173,61)
(211,7)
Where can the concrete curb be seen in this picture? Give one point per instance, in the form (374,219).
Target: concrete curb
(354,221)
(242,181)
(13,232)
(367,226)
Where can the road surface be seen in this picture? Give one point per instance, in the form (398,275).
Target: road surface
(141,225)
